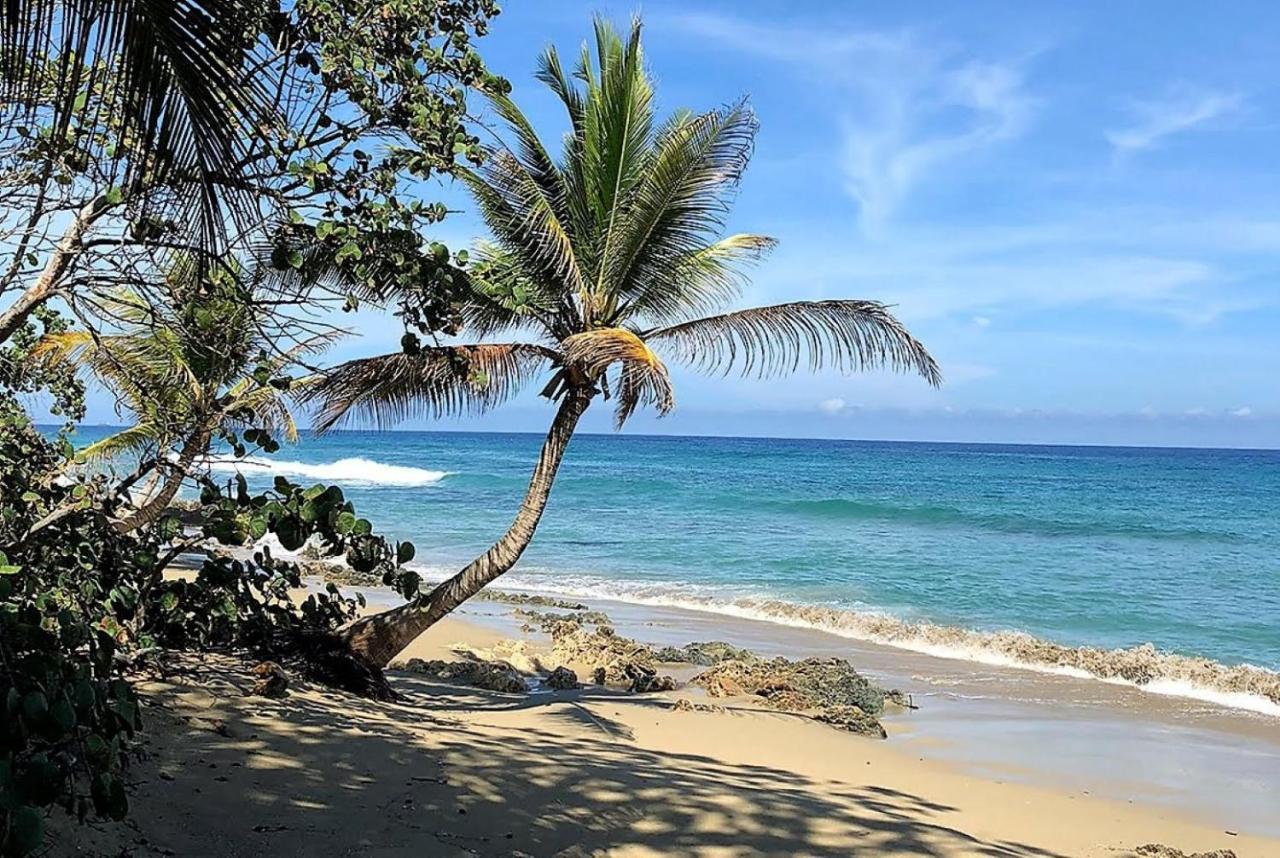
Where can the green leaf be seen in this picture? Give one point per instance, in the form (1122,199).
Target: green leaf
(113,196)
(63,714)
(26,830)
(405,552)
(109,798)
(35,708)
(350,250)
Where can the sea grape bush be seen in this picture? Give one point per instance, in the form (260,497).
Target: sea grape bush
(82,605)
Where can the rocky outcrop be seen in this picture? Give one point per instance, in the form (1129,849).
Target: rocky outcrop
(609,658)
(827,689)
(489,675)
(509,598)
(1159,850)
(703,653)
(543,621)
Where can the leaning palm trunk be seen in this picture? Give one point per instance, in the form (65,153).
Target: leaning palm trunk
(380,637)
(196,445)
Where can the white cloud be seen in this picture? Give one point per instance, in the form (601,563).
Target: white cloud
(1179,110)
(832,406)
(982,321)
(1246,411)
(906,108)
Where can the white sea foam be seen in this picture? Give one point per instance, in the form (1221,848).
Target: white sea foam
(356,470)
(1242,686)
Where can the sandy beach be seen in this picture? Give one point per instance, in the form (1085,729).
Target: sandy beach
(454,770)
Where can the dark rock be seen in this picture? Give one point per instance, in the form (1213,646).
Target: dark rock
(545,621)
(851,719)
(813,681)
(601,651)
(272,681)
(646,680)
(562,679)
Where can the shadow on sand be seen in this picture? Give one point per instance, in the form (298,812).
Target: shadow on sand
(326,774)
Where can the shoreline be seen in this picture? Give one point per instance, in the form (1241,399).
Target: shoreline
(1244,687)
(1208,762)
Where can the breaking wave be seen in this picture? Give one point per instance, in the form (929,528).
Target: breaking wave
(353,470)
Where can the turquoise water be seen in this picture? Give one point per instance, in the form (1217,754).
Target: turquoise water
(1100,546)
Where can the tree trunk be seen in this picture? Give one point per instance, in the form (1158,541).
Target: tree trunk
(59,262)
(380,637)
(153,507)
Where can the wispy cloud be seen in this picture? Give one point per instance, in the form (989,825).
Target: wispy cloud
(1181,109)
(906,107)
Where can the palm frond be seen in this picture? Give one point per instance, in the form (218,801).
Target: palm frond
(532,154)
(524,222)
(682,199)
(768,341)
(616,137)
(125,442)
(174,71)
(504,298)
(551,72)
(438,381)
(703,280)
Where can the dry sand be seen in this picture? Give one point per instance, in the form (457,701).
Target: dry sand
(457,771)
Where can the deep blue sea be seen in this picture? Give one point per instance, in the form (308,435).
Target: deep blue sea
(1108,547)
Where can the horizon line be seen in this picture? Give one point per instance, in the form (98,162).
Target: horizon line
(651,435)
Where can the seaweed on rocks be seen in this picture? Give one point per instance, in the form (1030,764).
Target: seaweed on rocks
(828,689)
(507,597)
(704,653)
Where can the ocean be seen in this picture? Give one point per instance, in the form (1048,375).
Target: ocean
(996,553)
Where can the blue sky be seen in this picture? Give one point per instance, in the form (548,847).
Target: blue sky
(1076,206)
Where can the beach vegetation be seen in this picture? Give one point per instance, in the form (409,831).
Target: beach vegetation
(601,265)
(185,190)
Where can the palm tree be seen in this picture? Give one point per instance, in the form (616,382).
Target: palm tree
(609,255)
(185,372)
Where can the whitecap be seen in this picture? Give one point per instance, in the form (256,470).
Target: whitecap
(355,470)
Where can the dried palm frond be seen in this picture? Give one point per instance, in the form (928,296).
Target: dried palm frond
(642,376)
(596,350)
(766,341)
